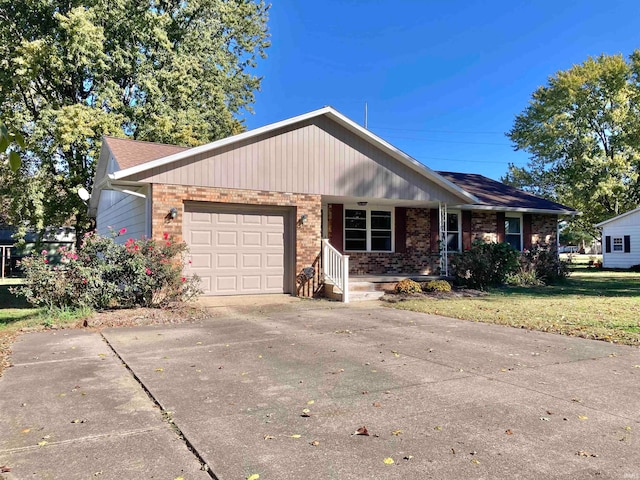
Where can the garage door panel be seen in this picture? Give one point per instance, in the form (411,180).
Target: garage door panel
(200,237)
(252,239)
(226,260)
(200,261)
(226,238)
(236,252)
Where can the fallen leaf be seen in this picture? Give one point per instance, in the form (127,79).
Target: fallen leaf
(295,435)
(475,461)
(377,404)
(310,402)
(545,419)
(636,366)
(583,417)
(26,430)
(583,453)
(627,428)
(159,369)
(388,461)
(198,343)
(407,457)
(97,474)
(102,354)
(306,412)
(255,476)
(362,431)
(315,443)
(396,432)
(269,437)
(508,432)
(42,443)
(437,427)
(244,373)
(4,469)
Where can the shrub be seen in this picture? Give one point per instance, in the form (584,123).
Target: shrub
(436,286)
(544,264)
(408,286)
(103,273)
(485,264)
(523,279)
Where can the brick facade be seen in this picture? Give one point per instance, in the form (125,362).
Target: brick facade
(307,243)
(420,258)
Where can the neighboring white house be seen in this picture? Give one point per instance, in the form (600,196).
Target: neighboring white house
(621,240)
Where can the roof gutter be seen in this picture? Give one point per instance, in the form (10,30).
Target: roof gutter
(491,208)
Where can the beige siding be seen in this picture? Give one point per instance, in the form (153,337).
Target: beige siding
(315,157)
(119,210)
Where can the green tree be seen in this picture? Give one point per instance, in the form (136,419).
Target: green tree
(72,71)
(581,131)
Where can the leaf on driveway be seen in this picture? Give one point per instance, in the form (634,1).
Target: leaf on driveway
(396,432)
(438,428)
(361,431)
(42,443)
(475,461)
(4,469)
(583,417)
(159,369)
(26,430)
(377,404)
(269,437)
(255,476)
(584,453)
(388,461)
(545,419)
(315,443)
(508,432)
(311,402)
(295,435)
(306,412)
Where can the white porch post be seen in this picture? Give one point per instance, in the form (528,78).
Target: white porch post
(345,276)
(444,257)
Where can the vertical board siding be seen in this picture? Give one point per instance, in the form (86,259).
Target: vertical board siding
(314,157)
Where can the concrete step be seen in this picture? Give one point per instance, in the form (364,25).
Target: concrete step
(359,296)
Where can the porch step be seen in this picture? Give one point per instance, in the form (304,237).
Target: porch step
(372,287)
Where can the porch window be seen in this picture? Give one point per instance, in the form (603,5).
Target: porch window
(368,230)
(453,232)
(513,232)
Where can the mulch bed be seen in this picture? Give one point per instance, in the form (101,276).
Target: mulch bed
(455,293)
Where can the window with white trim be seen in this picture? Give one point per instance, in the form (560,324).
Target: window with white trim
(452,231)
(513,232)
(368,229)
(618,244)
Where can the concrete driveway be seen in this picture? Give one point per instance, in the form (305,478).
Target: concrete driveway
(281,392)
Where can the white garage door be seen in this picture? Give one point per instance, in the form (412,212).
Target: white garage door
(235,253)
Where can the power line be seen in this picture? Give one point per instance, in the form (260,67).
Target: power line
(439,131)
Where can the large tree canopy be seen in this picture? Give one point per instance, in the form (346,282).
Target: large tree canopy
(71,71)
(582,133)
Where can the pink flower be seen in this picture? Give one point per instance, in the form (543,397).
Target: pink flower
(122,231)
(168,244)
(148,271)
(46,261)
(44,252)
(184,279)
(165,236)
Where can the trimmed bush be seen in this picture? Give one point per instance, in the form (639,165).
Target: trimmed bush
(103,274)
(408,286)
(544,264)
(485,264)
(436,286)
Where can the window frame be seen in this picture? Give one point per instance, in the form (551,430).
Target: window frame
(613,244)
(459,231)
(368,209)
(518,216)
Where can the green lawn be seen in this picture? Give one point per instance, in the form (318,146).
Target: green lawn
(591,303)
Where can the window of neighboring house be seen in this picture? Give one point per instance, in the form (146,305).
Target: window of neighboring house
(452,232)
(513,232)
(368,230)
(618,244)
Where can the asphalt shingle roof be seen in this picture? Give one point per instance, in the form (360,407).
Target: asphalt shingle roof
(497,194)
(129,153)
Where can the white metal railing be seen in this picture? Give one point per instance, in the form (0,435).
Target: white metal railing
(335,267)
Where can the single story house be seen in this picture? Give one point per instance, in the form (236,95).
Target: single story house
(256,207)
(621,240)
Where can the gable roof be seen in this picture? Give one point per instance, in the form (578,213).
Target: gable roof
(622,215)
(504,197)
(329,112)
(131,153)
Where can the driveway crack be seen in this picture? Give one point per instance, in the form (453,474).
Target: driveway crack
(166,415)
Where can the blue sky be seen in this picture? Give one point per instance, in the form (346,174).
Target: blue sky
(443,80)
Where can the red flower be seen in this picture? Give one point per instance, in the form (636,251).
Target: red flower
(184,279)
(46,261)
(148,271)
(165,236)
(168,244)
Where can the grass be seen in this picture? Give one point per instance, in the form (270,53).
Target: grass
(602,305)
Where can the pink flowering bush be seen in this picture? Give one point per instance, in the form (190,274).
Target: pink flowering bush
(105,274)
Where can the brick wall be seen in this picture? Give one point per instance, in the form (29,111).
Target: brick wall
(544,231)
(483,226)
(164,197)
(418,258)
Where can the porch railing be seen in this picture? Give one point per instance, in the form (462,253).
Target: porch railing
(336,268)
